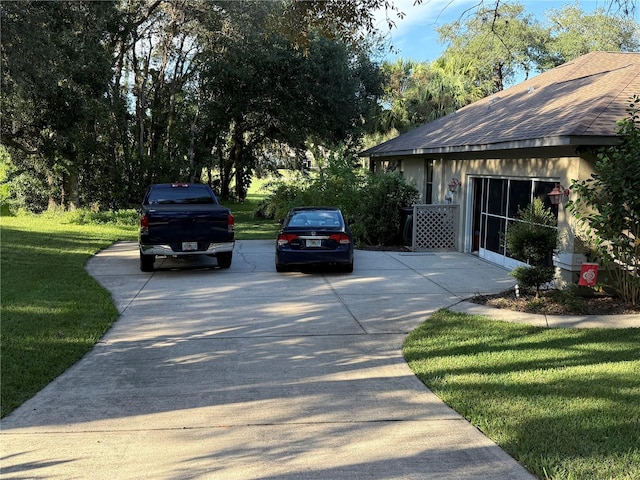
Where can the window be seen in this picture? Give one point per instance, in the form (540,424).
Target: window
(428,181)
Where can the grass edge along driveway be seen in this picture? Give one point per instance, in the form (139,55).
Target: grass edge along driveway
(565,403)
(53,311)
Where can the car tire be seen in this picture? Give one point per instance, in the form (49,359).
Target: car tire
(348,268)
(146,262)
(280,268)
(224,259)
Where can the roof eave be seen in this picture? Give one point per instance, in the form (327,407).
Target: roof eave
(560,141)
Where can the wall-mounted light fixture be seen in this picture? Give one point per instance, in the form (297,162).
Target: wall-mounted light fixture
(454,184)
(557,193)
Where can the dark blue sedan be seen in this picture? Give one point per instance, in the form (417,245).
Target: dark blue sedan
(313,236)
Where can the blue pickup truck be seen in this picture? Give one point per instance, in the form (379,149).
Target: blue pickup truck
(178,219)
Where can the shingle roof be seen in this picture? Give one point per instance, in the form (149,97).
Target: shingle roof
(577,103)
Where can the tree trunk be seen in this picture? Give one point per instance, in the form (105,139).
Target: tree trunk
(52,201)
(225,175)
(237,154)
(71,188)
(192,145)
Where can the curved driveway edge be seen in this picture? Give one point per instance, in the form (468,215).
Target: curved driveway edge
(249,374)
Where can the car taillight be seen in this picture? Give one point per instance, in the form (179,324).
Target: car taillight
(340,238)
(285,238)
(231,223)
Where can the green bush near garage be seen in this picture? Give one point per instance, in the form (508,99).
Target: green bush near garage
(532,239)
(370,201)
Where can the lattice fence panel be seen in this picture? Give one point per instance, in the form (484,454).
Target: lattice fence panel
(435,227)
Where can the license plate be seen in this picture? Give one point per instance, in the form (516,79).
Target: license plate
(189,246)
(314,243)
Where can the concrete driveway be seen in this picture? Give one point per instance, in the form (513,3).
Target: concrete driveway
(249,374)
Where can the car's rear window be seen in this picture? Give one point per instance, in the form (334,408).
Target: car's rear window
(193,194)
(315,218)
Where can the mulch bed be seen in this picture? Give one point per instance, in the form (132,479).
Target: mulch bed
(554,302)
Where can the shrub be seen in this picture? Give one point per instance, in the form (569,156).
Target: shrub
(533,276)
(532,239)
(608,206)
(84,216)
(28,193)
(371,201)
(282,198)
(377,216)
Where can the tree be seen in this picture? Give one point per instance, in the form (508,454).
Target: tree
(608,206)
(55,71)
(438,89)
(260,95)
(496,44)
(417,92)
(532,239)
(351,21)
(152,98)
(499,42)
(573,33)
(102,98)
(492,45)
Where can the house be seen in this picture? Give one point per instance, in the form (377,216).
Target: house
(504,150)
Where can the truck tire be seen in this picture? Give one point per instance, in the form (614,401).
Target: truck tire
(224,259)
(146,262)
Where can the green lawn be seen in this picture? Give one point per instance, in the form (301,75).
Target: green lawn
(563,402)
(249,228)
(53,312)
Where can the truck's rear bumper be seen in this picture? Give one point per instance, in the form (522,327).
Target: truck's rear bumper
(214,248)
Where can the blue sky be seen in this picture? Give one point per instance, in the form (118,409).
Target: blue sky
(415,35)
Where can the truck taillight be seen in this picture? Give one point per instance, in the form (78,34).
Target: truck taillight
(285,238)
(144,224)
(340,238)
(231,223)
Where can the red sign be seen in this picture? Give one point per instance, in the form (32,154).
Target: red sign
(588,274)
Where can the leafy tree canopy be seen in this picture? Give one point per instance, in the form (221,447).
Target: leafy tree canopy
(490,47)
(282,98)
(102,98)
(573,33)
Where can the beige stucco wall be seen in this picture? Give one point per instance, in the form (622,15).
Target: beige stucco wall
(414,172)
(560,169)
(553,165)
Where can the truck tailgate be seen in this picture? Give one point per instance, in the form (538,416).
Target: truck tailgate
(198,223)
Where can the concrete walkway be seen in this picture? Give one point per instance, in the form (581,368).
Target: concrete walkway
(249,374)
(550,321)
